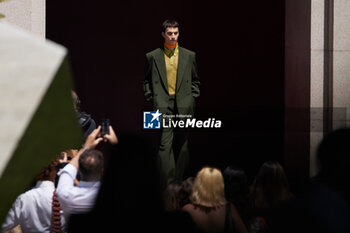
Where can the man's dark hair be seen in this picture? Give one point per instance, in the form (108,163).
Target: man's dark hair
(169,23)
(91,165)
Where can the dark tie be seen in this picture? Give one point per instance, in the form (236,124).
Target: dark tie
(56,215)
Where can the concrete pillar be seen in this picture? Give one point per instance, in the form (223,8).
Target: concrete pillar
(341,63)
(329,67)
(317,79)
(27,14)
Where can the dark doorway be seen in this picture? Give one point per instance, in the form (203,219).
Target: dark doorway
(240,56)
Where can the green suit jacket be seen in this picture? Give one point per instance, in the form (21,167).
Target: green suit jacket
(155,84)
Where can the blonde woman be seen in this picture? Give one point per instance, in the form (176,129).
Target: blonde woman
(209,208)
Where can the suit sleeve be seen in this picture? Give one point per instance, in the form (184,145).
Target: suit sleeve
(195,78)
(147,82)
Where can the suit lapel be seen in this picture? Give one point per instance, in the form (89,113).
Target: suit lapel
(160,61)
(181,67)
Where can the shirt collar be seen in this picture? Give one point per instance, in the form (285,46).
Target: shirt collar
(89,184)
(45,184)
(170,52)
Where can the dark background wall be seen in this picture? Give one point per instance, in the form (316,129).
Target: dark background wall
(240,56)
(297,82)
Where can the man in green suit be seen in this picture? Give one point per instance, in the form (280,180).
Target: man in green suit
(171,81)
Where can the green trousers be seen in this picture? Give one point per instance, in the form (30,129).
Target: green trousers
(173,148)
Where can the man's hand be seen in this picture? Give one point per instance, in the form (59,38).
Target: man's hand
(67,155)
(111,137)
(91,142)
(93,139)
(63,158)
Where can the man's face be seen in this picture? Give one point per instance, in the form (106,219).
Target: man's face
(171,35)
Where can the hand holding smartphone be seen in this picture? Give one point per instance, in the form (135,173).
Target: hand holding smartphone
(105,123)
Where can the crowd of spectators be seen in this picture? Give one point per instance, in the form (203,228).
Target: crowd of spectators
(86,191)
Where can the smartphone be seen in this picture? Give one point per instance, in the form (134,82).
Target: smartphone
(105,123)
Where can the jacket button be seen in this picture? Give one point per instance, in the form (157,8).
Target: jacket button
(156,82)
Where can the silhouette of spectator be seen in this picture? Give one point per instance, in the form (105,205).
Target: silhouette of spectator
(270,190)
(186,191)
(177,194)
(236,186)
(334,156)
(208,208)
(172,196)
(325,206)
(130,198)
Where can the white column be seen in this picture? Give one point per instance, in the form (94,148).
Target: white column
(339,85)
(341,64)
(317,76)
(27,14)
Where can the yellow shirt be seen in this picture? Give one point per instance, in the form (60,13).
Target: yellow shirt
(171,61)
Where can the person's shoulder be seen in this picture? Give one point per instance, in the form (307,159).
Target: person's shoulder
(188,207)
(154,52)
(26,197)
(20,198)
(184,50)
